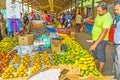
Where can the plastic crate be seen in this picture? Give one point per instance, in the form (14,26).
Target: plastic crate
(88,28)
(51,29)
(62,31)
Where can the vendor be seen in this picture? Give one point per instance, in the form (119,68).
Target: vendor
(78,21)
(45,17)
(25,20)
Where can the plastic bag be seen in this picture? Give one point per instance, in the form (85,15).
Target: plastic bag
(46,40)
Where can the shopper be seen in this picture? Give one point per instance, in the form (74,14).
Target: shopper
(68,18)
(103,22)
(117,40)
(45,17)
(78,20)
(37,17)
(25,21)
(49,19)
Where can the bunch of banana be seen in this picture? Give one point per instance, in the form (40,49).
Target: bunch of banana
(77,56)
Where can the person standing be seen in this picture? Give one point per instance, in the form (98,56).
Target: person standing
(78,20)
(37,17)
(68,18)
(103,22)
(25,21)
(117,40)
(45,17)
(49,19)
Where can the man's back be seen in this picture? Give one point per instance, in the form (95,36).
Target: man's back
(44,17)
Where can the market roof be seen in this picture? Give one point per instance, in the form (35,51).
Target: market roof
(56,5)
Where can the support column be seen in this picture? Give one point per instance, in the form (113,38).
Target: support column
(28,7)
(92,9)
(22,6)
(71,5)
(68,6)
(82,11)
(75,4)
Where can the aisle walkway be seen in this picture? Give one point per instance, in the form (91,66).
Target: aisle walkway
(108,69)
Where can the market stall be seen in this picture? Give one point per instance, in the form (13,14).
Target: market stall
(20,63)
(47,52)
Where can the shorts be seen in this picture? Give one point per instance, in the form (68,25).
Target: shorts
(99,52)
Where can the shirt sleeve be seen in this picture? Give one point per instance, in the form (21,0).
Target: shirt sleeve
(107,22)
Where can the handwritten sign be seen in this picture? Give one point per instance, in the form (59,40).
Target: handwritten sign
(13,10)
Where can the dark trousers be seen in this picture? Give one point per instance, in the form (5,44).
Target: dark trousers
(77,27)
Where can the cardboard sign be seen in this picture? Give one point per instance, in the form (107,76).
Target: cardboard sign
(13,10)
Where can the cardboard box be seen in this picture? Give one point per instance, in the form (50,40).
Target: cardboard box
(26,40)
(30,38)
(55,41)
(56,45)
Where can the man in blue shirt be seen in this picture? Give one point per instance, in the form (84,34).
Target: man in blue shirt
(68,18)
(117,41)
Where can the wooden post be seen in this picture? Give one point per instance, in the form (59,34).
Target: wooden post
(22,7)
(82,12)
(75,4)
(68,7)
(28,7)
(71,5)
(92,9)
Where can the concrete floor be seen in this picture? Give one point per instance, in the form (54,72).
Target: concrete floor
(108,69)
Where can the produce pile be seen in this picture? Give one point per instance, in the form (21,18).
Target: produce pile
(21,66)
(7,44)
(77,56)
(5,59)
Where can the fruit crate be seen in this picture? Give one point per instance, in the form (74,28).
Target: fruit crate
(62,31)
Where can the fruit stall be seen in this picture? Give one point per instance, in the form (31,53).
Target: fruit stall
(71,62)
(46,51)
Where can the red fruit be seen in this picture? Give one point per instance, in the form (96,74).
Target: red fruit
(5,65)
(3,59)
